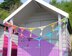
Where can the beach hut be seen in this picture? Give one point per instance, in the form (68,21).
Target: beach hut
(41,30)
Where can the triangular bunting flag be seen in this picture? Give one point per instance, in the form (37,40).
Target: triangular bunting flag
(4,28)
(21,35)
(22,29)
(39,38)
(14,27)
(31,29)
(52,24)
(42,27)
(49,34)
(64,20)
(57,28)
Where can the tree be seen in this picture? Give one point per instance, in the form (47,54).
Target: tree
(8,4)
(53,2)
(66,6)
(13,1)
(3,14)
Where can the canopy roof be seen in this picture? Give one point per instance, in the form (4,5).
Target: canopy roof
(32,6)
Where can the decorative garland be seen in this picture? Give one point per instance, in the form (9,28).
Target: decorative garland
(49,34)
(31,29)
(14,27)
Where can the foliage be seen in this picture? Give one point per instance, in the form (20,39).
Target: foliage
(66,6)
(53,2)
(3,13)
(5,5)
(8,6)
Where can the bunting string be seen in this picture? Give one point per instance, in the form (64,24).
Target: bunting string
(49,34)
(14,27)
(31,29)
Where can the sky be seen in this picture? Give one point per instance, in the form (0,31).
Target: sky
(44,0)
(25,0)
(21,0)
(1,1)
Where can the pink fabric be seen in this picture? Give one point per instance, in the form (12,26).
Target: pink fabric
(5,47)
(30,48)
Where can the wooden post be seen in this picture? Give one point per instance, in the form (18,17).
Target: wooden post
(9,39)
(67,39)
(60,35)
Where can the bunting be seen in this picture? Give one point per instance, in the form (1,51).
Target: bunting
(53,25)
(63,20)
(49,34)
(57,28)
(29,38)
(4,28)
(14,27)
(22,29)
(42,27)
(38,39)
(21,35)
(31,29)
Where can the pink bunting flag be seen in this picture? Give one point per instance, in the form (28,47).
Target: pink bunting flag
(4,28)
(21,35)
(22,29)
